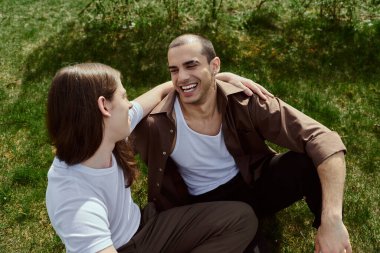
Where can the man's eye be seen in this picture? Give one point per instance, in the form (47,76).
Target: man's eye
(173,70)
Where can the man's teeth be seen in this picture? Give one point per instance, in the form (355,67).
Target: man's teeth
(188,88)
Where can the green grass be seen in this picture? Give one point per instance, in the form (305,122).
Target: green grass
(25,151)
(333,78)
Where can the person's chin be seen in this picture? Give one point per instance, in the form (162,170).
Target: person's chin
(189,97)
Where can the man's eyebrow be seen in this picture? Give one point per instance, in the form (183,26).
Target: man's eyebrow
(191,62)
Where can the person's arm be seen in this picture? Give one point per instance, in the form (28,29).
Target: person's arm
(110,249)
(246,84)
(332,235)
(285,126)
(151,98)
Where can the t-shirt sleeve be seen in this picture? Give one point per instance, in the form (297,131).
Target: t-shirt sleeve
(83,226)
(135,114)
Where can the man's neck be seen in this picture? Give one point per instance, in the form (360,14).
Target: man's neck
(202,110)
(203,118)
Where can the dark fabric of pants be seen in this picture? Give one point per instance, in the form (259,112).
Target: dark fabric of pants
(285,179)
(221,226)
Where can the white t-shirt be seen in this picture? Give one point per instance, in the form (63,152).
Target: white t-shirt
(203,160)
(90,209)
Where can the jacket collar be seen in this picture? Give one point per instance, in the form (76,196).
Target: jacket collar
(166,105)
(227,89)
(224,90)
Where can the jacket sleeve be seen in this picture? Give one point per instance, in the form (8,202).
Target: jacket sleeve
(285,126)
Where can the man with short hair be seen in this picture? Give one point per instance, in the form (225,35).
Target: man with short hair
(206,141)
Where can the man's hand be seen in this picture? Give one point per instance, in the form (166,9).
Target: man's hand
(246,84)
(332,237)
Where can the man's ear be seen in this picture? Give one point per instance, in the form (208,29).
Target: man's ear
(103,105)
(215,65)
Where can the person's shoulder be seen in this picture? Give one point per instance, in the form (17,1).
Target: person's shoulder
(71,193)
(235,93)
(57,168)
(166,105)
(228,89)
(159,113)
(63,179)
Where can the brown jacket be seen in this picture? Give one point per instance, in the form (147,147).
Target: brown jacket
(247,123)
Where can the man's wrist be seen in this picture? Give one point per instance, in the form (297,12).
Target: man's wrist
(331,216)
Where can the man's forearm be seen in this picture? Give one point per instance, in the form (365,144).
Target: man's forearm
(332,173)
(332,235)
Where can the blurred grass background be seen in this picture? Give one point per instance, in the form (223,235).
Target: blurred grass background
(323,57)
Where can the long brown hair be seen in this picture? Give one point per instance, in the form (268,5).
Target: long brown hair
(74,121)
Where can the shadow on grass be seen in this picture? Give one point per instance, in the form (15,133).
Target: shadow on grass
(315,48)
(274,50)
(140,53)
(140,57)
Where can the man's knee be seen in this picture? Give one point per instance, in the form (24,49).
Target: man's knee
(244,215)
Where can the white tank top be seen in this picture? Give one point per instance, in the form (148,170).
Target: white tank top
(203,160)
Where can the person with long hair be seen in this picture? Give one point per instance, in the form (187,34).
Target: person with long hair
(88,197)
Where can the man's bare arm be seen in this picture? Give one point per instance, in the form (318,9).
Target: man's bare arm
(332,235)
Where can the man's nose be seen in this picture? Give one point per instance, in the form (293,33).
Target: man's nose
(182,75)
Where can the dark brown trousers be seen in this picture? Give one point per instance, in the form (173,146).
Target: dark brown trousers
(221,226)
(285,179)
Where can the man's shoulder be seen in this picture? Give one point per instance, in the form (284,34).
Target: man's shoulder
(234,95)
(166,105)
(231,91)
(228,89)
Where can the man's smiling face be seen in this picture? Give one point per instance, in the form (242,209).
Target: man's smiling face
(192,76)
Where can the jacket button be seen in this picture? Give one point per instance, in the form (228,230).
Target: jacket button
(164,153)
(158,184)
(154,199)
(171,130)
(160,169)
